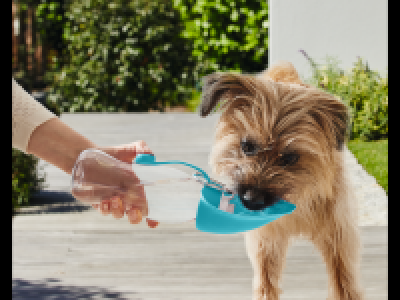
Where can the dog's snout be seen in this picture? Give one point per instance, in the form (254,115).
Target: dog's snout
(254,198)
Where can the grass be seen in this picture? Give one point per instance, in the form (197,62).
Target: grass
(373,156)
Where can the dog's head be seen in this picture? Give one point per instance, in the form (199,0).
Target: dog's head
(274,139)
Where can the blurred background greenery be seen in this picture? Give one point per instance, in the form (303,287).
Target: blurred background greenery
(150,55)
(365,92)
(132,55)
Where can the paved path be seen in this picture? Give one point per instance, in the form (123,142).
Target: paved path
(63,249)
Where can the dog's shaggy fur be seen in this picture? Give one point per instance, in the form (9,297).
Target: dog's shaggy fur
(280,138)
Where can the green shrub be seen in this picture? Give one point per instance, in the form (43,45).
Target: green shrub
(363,90)
(228,35)
(123,56)
(25,179)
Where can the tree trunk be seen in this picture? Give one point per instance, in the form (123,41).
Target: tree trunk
(14,37)
(22,41)
(33,47)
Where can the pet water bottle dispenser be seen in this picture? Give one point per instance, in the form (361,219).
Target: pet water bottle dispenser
(172,195)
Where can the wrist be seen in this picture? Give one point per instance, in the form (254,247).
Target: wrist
(68,158)
(58,144)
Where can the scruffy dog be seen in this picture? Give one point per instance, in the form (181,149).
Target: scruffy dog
(280,138)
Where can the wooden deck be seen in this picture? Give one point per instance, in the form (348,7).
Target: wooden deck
(63,249)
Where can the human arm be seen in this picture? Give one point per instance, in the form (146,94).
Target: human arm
(60,145)
(39,132)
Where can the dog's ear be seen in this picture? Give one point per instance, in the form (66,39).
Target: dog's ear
(208,98)
(283,71)
(340,123)
(223,85)
(334,118)
(342,130)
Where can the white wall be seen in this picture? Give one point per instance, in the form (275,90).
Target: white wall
(343,29)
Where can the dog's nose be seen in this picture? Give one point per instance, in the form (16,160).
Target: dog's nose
(255,198)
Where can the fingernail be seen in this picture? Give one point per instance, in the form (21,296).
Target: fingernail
(135,216)
(105,208)
(114,204)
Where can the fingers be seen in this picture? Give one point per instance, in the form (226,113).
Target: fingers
(105,207)
(133,203)
(135,148)
(141,147)
(112,206)
(135,197)
(128,152)
(117,207)
(131,200)
(136,207)
(134,216)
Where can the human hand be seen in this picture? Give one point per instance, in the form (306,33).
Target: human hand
(131,200)
(127,153)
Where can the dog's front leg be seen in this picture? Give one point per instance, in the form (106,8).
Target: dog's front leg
(340,249)
(267,253)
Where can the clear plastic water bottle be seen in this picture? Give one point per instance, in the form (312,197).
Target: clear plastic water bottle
(172,195)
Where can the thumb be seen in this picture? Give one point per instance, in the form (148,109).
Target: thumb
(130,151)
(141,148)
(127,153)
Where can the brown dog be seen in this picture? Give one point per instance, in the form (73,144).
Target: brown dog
(280,138)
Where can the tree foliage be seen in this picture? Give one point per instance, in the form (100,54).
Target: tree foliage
(25,179)
(126,55)
(228,35)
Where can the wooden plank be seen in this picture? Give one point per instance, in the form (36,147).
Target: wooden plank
(88,250)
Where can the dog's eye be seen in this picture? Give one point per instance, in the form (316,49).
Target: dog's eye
(248,147)
(288,159)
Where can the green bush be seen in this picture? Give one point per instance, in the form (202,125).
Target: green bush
(363,90)
(228,35)
(123,56)
(25,179)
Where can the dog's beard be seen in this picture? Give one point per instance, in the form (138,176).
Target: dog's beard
(256,190)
